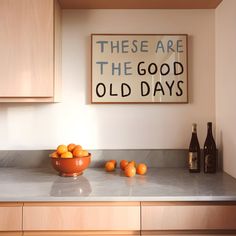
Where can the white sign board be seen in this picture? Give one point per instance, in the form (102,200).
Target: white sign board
(139,68)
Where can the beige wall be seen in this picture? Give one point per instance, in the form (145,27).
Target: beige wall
(42,126)
(226,83)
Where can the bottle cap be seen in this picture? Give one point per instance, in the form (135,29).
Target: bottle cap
(194,128)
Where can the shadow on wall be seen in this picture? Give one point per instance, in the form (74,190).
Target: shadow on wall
(191,72)
(220,152)
(88,73)
(23,125)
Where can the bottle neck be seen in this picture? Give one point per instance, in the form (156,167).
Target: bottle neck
(194,135)
(209,129)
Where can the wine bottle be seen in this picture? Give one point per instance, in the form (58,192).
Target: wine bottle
(194,155)
(210,152)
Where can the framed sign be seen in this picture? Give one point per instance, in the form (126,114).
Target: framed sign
(135,68)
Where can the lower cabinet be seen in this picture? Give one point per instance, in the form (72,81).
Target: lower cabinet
(188,218)
(78,233)
(186,234)
(118,218)
(84,218)
(11,233)
(10,219)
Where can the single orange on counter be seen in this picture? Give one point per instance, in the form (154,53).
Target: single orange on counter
(141,169)
(61,149)
(71,147)
(110,166)
(114,161)
(123,164)
(67,155)
(130,170)
(54,155)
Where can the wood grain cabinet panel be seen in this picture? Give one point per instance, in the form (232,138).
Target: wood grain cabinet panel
(140,4)
(11,233)
(188,217)
(184,234)
(81,233)
(10,218)
(28,61)
(81,217)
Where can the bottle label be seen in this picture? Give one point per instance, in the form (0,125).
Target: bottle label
(193,164)
(209,163)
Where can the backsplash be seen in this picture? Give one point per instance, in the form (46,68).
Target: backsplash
(152,157)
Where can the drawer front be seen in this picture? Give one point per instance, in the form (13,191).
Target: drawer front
(11,234)
(193,234)
(188,217)
(187,233)
(79,233)
(10,217)
(81,217)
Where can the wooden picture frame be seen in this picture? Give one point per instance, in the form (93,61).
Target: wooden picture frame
(139,68)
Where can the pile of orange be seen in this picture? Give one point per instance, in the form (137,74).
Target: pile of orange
(130,168)
(69,151)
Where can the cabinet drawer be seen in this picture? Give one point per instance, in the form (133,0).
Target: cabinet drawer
(189,216)
(80,216)
(10,217)
(187,233)
(79,233)
(193,234)
(11,234)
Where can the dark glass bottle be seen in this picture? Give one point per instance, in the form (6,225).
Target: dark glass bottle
(194,154)
(210,151)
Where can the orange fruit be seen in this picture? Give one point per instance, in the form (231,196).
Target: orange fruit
(133,163)
(123,164)
(71,147)
(67,155)
(85,153)
(54,155)
(80,153)
(114,161)
(61,149)
(130,170)
(141,169)
(109,166)
(79,147)
(77,151)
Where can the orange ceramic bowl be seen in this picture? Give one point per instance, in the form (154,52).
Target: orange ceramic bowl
(71,166)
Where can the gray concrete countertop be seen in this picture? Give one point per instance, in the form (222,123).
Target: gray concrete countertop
(160,184)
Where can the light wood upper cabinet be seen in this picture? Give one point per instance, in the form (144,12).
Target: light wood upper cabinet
(10,217)
(30,50)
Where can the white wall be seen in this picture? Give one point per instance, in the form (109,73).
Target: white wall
(42,126)
(226,83)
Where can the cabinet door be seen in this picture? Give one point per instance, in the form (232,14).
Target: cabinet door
(10,217)
(81,216)
(189,216)
(26,46)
